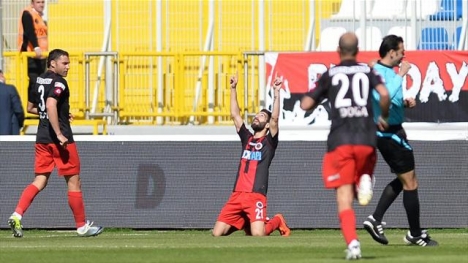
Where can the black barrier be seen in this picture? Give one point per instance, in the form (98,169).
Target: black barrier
(164,185)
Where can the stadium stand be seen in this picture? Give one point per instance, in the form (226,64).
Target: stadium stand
(434,38)
(456,37)
(373,37)
(329,38)
(435,19)
(449,10)
(351,9)
(384,9)
(424,8)
(135,34)
(405,32)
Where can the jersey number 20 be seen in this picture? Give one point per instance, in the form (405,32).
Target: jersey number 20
(359,86)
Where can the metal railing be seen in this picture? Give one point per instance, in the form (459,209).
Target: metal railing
(152,88)
(111,107)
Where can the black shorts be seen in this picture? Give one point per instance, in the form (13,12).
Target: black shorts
(396,150)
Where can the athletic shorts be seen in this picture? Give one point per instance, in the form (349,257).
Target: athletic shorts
(52,155)
(346,163)
(242,208)
(396,150)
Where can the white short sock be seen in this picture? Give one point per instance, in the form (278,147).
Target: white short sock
(17,215)
(354,243)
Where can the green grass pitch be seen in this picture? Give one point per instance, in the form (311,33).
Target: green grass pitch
(125,245)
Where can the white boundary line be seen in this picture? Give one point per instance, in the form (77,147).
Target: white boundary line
(415,131)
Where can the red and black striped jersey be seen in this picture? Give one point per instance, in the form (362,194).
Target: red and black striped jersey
(257,154)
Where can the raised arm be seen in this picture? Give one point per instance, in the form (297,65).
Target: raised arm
(394,85)
(277,83)
(235,111)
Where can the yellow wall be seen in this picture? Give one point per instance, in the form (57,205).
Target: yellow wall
(76,25)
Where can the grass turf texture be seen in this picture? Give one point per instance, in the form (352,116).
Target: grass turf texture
(125,245)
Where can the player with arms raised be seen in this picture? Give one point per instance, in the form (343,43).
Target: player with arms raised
(247,206)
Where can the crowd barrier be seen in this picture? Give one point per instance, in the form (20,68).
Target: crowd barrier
(99,127)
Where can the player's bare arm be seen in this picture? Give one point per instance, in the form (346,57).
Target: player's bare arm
(235,110)
(32,108)
(277,83)
(51,106)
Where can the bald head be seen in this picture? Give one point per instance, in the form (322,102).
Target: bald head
(348,44)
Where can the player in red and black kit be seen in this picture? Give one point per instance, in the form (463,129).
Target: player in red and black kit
(55,146)
(349,162)
(247,206)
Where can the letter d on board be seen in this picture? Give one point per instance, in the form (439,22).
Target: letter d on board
(150,187)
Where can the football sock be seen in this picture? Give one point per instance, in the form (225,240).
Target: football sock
(348,225)
(26,199)
(75,201)
(272,225)
(17,215)
(389,194)
(411,203)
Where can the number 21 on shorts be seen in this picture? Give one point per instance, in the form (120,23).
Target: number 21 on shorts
(259,210)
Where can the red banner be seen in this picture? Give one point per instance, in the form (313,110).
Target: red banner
(437,79)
